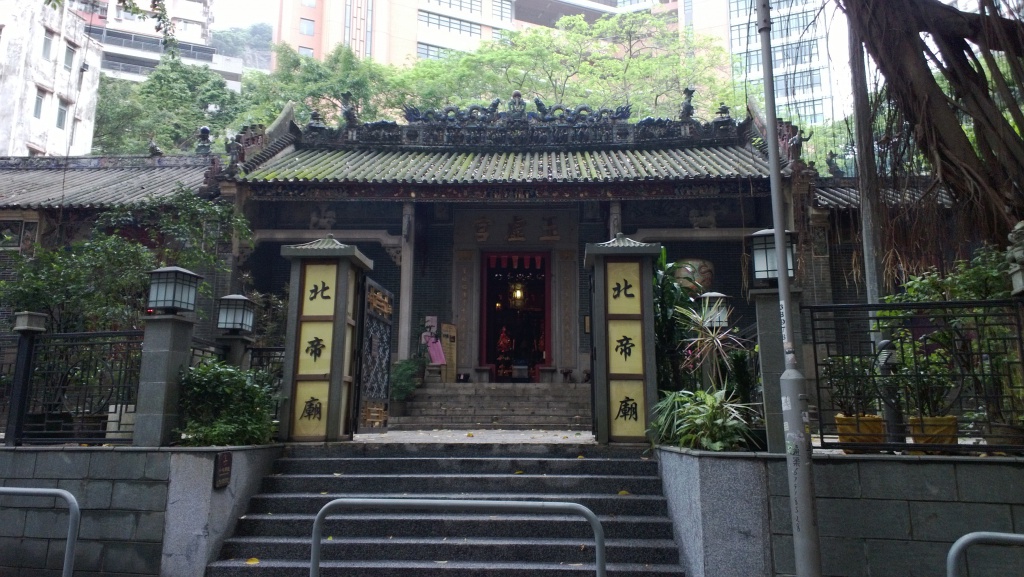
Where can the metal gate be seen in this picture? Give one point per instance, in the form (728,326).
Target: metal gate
(374,371)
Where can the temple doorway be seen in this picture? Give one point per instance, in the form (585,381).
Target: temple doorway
(516,327)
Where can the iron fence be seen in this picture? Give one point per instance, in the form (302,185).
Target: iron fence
(83,388)
(8,354)
(920,376)
(270,360)
(203,350)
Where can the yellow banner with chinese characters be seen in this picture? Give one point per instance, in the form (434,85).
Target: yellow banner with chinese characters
(319,292)
(625,347)
(315,341)
(627,412)
(309,415)
(623,287)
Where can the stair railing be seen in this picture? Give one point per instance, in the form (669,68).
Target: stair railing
(461,505)
(959,547)
(74,519)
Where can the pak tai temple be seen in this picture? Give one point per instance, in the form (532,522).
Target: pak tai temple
(479,217)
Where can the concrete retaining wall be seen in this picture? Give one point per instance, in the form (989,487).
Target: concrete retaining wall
(878,515)
(144,511)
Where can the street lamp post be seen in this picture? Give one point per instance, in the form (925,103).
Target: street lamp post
(806,549)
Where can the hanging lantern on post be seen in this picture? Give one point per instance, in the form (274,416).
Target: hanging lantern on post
(172,289)
(236,314)
(762,250)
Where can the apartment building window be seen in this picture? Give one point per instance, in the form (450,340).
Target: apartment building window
(368,48)
(124,14)
(62,113)
(309,3)
(348,22)
(430,52)
(807,111)
(472,6)
(797,82)
(751,61)
(793,24)
(40,101)
(306,26)
(304,51)
(502,10)
(449,24)
(69,57)
(741,9)
(47,45)
(499,34)
(795,54)
(623,3)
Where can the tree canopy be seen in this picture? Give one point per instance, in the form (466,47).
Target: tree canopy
(167,108)
(956,78)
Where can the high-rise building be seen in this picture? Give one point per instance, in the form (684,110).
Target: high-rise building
(49,75)
(132,48)
(807,43)
(399,31)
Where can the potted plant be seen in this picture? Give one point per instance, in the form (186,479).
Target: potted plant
(927,382)
(850,380)
(406,376)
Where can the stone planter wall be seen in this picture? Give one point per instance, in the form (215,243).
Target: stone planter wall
(878,515)
(144,511)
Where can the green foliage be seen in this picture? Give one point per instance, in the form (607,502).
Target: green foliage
(984,277)
(406,376)
(100,283)
(182,229)
(637,59)
(669,331)
(710,420)
(168,108)
(707,347)
(223,405)
(94,284)
(253,44)
(123,125)
(851,383)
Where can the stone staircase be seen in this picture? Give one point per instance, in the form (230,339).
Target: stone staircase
(621,487)
(510,406)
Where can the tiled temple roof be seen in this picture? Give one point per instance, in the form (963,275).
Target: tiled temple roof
(513,167)
(96,181)
(842,193)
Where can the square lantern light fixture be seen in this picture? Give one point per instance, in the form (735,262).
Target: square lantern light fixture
(172,289)
(717,311)
(765,262)
(236,314)
(517,295)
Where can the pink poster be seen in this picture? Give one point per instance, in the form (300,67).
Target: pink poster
(436,352)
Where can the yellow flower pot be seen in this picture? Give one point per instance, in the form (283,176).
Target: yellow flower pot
(934,430)
(860,429)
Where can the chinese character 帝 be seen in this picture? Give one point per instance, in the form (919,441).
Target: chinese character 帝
(624,346)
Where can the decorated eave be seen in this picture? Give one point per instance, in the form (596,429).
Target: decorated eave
(328,247)
(524,145)
(843,193)
(42,182)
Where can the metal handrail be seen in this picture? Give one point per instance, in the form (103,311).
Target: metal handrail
(959,548)
(74,519)
(463,505)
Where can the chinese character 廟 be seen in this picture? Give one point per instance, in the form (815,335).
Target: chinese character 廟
(627,410)
(312,410)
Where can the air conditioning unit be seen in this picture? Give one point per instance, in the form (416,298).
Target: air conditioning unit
(85,67)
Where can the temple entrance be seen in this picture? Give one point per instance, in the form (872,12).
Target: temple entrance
(517,297)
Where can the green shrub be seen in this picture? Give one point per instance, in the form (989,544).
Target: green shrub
(224,405)
(709,420)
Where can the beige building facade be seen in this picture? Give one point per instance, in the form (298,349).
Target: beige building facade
(401,31)
(49,75)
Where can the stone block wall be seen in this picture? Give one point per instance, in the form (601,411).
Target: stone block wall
(898,515)
(878,515)
(127,513)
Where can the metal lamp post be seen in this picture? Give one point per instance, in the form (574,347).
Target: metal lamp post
(806,547)
(714,303)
